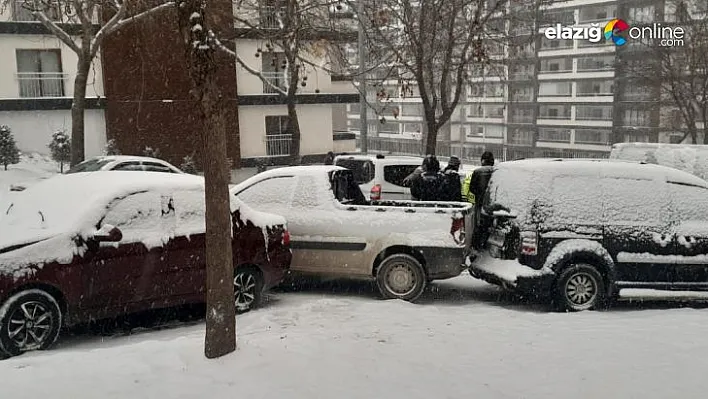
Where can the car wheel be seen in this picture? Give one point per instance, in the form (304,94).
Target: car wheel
(29,320)
(580,287)
(248,289)
(401,276)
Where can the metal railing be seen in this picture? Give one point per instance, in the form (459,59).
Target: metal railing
(269,18)
(276,79)
(278,144)
(41,84)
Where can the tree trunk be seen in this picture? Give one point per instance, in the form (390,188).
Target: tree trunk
(294,129)
(220,336)
(77,110)
(431,138)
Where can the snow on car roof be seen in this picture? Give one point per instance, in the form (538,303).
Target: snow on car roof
(64,198)
(128,158)
(617,168)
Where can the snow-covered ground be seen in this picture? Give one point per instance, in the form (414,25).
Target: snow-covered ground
(466,339)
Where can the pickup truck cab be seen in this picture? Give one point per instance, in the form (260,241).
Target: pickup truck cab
(337,232)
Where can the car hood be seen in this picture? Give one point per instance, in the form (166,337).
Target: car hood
(20,239)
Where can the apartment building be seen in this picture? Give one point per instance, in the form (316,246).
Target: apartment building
(149,101)
(36,83)
(548,97)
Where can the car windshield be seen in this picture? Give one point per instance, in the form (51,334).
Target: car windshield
(92,165)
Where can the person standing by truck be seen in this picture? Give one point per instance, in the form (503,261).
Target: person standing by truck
(452,184)
(429,185)
(477,187)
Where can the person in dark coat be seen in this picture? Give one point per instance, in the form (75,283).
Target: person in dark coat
(478,187)
(429,186)
(452,181)
(329,158)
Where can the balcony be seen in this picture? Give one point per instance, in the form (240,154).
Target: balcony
(269,18)
(41,84)
(278,145)
(276,79)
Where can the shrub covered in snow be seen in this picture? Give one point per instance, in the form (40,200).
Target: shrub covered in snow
(60,148)
(188,165)
(151,152)
(111,148)
(9,154)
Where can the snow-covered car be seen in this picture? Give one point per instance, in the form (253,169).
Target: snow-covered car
(124,163)
(90,246)
(337,232)
(578,231)
(691,158)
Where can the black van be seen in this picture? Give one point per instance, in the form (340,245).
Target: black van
(578,231)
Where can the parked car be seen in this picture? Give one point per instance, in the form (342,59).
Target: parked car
(578,231)
(337,232)
(381,176)
(124,163)
(89,246)
(691,158)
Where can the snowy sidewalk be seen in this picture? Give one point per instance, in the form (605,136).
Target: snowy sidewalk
(466,343)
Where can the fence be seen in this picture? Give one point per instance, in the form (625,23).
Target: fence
(278,144)
(470,154)
(276,79)
(41,84)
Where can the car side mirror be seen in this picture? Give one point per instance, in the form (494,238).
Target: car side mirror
(108,233)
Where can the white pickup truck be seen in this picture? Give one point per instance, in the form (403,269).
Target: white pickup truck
(336,232)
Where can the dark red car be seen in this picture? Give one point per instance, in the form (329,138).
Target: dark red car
(90,246)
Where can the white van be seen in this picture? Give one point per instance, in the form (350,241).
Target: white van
(691,158)
(381,176)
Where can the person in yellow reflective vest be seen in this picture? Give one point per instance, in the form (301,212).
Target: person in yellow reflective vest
(467,195)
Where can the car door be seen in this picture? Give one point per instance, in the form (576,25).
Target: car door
(689,207)
(186,252)
(327,239)
(392,186)
(637,229)
(128,272)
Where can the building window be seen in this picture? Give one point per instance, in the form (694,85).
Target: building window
(555,89)
(554,134)
(636,117)
(555,65)
(597,13)
(493,111)
(521,93)
(412,128)
(272,68)
(592,136)
(634,91)
(595,87)
(522,115)
(278,136)
(521,136)
(22,13)
(641,14)
(475,131)
(354,108)
(411,110)
(270,13)
(593,112)
(557,17)
(390,128)
(596,63)
(494,90)
(547,111)
(636,138)
(475,111)
(554,44)
(39,73)
(522,71)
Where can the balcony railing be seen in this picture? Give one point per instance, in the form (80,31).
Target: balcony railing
(278,144)
(276,79)
(269,17)
(41,84)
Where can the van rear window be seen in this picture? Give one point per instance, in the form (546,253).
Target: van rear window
(395,174)
(362,170)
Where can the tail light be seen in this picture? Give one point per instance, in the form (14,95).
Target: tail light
(286,238)
(458,229)
(529,243)
(375,192)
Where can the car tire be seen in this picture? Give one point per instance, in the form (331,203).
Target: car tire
(580,287)
(29,320)
(401,276)
(248,289)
